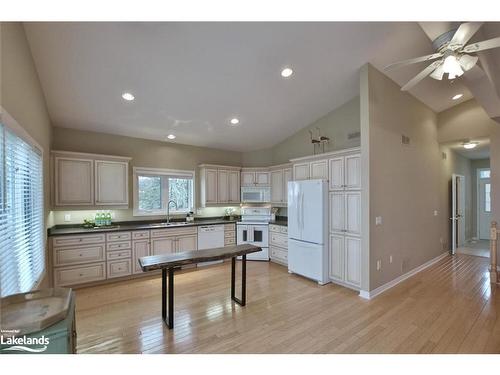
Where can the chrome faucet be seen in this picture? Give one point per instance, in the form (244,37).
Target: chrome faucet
(168,210)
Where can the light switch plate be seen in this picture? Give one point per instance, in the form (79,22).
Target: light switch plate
(67,217)
(436,212)
(378,220)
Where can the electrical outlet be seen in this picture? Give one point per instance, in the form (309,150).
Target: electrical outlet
(112,215)
(390,259)
(441,240)
(436,212)
(67,217)
(378,220)
(379,265)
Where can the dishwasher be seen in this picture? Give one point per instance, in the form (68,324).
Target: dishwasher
(209,237)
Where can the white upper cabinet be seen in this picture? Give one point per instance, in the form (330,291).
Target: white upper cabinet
(277,186)
(89,180)
(247,178)
(287,176)
(345,172)
(222,186)
(74,181)
(219,184)
(234,187)
(255,177)
(337,212)
(319,170)
(353,171)
(301,171)
(353,213)
(111,182)
(336,166)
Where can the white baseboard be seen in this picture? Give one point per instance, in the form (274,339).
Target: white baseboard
(381,289)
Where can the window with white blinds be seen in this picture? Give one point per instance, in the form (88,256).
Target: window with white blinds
(22,255)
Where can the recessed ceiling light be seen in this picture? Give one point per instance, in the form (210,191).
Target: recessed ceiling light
(469,145)
(234,121)
(171,136)
(128,96)
(287,72)
(458,96)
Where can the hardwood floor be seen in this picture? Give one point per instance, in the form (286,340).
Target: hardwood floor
(447,308)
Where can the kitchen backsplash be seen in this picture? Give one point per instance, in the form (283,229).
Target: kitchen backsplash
(77,216)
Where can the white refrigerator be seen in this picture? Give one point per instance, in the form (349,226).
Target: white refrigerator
(308,229)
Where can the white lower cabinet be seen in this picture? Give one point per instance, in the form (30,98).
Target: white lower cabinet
(162,245)
(345,260)
(140,248)
(66,276)
(278,244)
(119,268)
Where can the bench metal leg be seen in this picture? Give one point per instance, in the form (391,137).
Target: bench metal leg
(167,305)
(243,299)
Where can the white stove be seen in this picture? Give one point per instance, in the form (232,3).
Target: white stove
(254,229)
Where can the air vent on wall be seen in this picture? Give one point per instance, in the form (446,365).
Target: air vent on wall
(405,140)
(354,135)
(444,156)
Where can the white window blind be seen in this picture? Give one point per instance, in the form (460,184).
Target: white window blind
(22,255)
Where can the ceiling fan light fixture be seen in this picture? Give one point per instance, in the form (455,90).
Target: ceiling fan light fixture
(452,67)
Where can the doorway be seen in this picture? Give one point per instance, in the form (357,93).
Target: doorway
(458,212)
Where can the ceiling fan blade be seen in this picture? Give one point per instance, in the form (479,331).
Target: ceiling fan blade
(438,73)
(467,62)
(481,46)
(413,61)
(420,76)
(463,34)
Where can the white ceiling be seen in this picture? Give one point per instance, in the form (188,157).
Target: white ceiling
(481,151)
(191,78)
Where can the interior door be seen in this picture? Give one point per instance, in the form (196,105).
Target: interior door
(484,208)
(458,211)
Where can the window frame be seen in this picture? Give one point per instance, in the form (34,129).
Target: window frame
(12,125)
(162,172)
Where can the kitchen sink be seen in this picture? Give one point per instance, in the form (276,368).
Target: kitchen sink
(172,224)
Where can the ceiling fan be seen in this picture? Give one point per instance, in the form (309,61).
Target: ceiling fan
(454,55)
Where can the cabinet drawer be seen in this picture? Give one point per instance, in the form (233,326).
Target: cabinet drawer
(169,232)
(229,241)
(79,275)
(279,254)
(118,236)
(140,234)
(78,255)
(112,255)
(78,240)
(110,246)
(229,234)
(228,227)
(279,239)
(283,229)
(274,228)
(118,268)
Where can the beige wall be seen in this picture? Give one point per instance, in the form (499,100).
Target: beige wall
(336,125)
(405,183)
(22,97)
(144,153)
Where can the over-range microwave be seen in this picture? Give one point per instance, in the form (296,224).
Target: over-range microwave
(255,194)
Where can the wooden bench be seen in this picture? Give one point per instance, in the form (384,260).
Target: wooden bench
(168,263)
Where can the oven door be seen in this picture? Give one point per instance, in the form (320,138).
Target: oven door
(243,235)
(260,235)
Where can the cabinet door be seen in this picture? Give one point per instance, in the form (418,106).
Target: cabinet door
(262,178)
(164,245)
(277,186)
(319,169)
(211,186)
(234,187)
(139,249)
(336,167)
(247,178)
(222,186)
(353,213)
(353,171)
(337,212)
(74,182)
(111,183)
(353,261)
(336,266)
(287,176)
(187,243)
(301,171)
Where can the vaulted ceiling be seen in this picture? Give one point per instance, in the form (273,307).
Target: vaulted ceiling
(190,79)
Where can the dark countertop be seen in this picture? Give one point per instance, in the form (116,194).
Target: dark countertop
(61,230)
(280,220)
